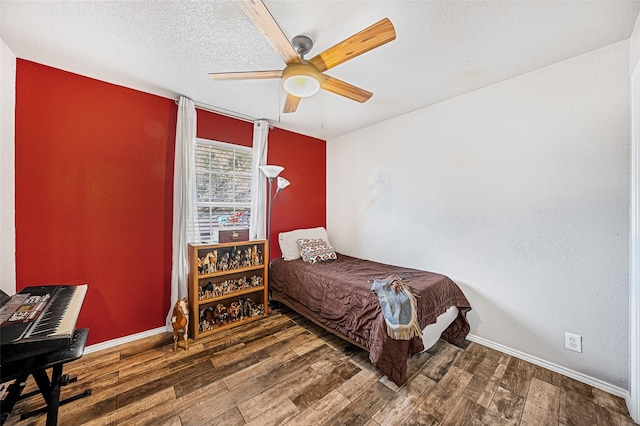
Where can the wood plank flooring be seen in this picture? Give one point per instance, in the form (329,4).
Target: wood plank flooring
(286,370)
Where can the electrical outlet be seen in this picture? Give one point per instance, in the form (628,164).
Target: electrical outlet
(573,342)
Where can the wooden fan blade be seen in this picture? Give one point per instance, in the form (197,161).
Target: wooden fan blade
(263,20)
(376,35)
(245,75)
(291,103)
(347,90)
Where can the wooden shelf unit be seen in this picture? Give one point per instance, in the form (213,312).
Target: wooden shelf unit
(223,285)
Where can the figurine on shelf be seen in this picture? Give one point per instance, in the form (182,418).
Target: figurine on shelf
(213,262)
(234,311)
(218,290)
(246,306)
(205,326)
(206,318)
(180,323)
(220,314)
(258,310)
(207,264)
(241,307)
(256,281)
(206,291)
(202,266)
(206,314)
(224,262)
(254,256)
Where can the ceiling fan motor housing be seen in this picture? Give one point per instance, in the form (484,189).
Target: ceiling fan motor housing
(302,44)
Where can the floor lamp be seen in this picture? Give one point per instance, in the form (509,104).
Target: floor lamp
(271,172)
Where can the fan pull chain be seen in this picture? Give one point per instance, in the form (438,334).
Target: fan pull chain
(323,107)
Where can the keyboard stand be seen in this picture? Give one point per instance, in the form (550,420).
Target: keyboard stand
(49,388)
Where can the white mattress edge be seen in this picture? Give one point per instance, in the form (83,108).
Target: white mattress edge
(431,333)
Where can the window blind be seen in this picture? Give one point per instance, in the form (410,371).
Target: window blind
(223,187)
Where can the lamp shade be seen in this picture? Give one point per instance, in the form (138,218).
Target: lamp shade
(301,80)
(282,183)
(271,171)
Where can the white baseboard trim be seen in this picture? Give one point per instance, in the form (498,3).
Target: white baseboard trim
(591,381)
(126,339)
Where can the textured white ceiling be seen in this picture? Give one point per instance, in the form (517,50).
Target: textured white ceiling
(443,49)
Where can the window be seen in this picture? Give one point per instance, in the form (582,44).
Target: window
(223,187)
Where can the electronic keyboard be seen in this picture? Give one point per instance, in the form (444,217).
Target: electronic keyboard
(38,320)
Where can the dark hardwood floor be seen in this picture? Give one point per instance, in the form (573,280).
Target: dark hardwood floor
(286,370)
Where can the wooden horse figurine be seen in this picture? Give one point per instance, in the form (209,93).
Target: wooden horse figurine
(180,322)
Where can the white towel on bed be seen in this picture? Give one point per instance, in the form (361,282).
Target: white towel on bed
(398,306)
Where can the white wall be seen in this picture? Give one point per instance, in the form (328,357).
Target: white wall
(519,192)
(633,399)
(7,170)
(634,51)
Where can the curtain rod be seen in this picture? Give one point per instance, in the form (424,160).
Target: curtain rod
(225,112)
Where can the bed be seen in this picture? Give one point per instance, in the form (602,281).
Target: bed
(336,295)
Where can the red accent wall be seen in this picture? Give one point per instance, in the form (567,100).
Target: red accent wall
(217,127)
(94,192)
(303,203)
(94,185)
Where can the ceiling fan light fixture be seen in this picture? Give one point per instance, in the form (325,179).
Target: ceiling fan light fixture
(301,80)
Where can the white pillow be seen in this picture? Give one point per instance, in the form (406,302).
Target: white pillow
(289,240)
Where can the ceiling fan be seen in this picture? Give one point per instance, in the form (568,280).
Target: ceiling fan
(302,78)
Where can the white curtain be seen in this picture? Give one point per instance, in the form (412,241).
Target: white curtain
(184,196)
(258,181)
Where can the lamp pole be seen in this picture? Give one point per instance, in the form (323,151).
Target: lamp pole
(269,220)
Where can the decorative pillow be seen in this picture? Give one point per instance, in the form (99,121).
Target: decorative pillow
(315,250)
(289,240)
